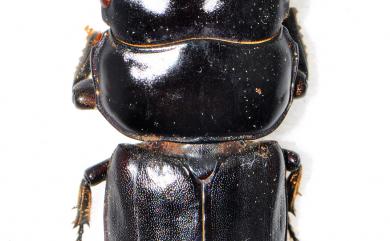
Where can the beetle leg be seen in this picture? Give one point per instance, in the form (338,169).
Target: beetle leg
(293,183)
(93,176)
(291,232)
(84,96)
(83,208)
(293,165)
(293,27)
(83,70)
(83,88)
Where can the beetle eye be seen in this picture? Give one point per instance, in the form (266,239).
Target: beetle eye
(106,3)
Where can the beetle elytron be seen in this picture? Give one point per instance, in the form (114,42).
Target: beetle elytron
(197,82)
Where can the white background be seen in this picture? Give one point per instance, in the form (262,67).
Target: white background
(340,128)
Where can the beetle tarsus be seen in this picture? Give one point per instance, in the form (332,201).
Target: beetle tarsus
(291,233)
(80,233)
(83,209)
(92,177)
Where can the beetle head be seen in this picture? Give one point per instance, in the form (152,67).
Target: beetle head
(147,21)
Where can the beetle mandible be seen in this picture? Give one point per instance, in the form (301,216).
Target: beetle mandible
(197,82)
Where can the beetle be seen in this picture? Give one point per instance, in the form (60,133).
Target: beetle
(198,82)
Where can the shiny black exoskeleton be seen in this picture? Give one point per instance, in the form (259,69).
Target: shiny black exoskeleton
(197,81)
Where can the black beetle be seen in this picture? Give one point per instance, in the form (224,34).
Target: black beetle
(197,81)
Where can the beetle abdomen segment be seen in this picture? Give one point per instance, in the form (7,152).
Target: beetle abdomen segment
(248,197)
(199,90)
(154,193)
(149,199)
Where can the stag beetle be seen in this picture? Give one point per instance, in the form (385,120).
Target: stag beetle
(197,82)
